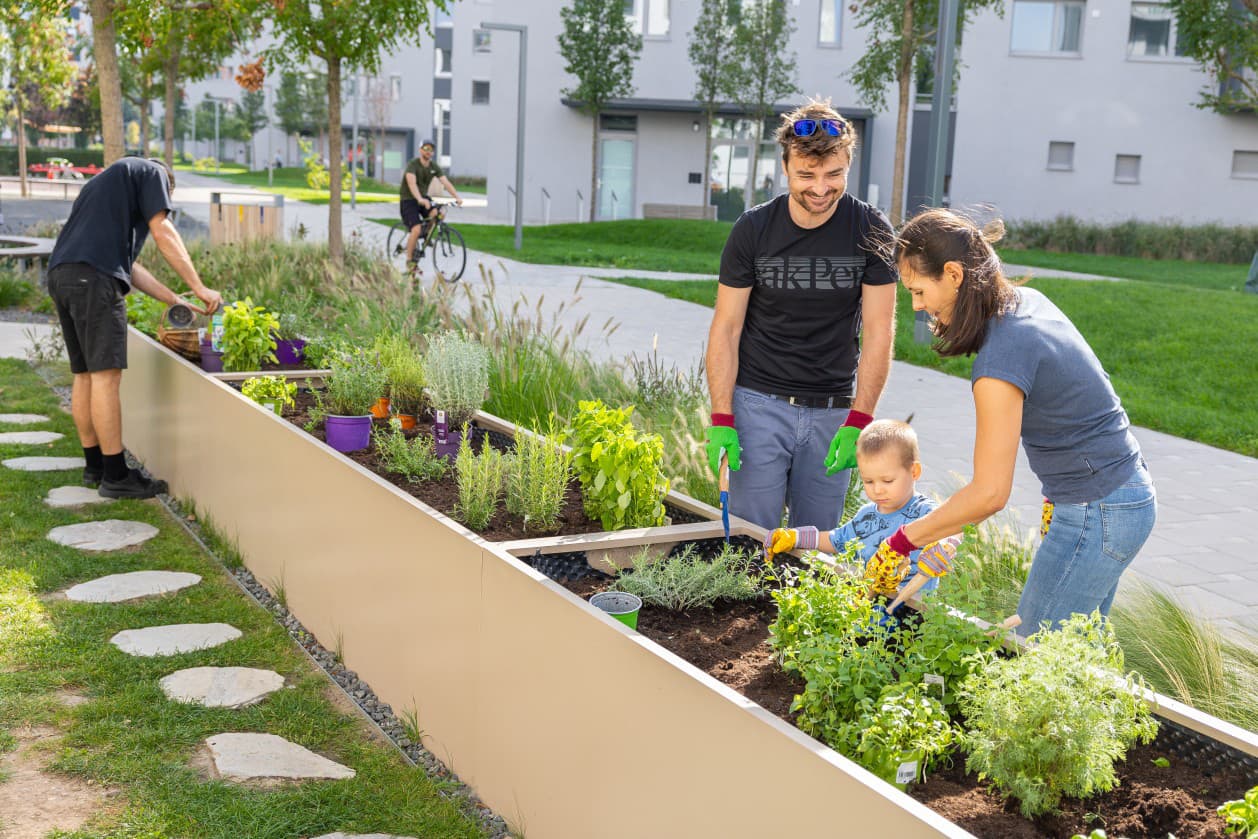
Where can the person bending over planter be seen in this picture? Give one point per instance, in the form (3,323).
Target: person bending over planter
(1036,379)
(91,270)
(801,277)
(888,462)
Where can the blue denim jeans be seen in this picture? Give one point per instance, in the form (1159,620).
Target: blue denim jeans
(784,449)
(1086,550)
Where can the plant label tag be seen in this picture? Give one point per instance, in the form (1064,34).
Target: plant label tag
(934,679)
(439,427)
(216,332)
(271,405)
(906,773)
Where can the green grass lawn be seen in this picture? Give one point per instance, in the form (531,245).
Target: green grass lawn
(1212,275)
(290,181)
(1179,374)
(126,735)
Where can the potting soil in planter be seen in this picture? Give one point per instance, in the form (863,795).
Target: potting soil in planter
(730,643)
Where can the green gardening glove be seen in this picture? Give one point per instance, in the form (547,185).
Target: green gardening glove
(843,447)
(723,435)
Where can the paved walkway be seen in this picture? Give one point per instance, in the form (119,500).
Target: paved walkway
(1208,498)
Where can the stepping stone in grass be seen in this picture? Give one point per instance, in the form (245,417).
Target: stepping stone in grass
(23,419)
(174,638)
(44,464)
(119,587)
(29,438)
(74,496)
(249,757)
(340,835)
(221,687)
(109,535)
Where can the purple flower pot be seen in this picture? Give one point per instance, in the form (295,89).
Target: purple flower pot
(211,359)
(450,448)
(290,352)
(348,434)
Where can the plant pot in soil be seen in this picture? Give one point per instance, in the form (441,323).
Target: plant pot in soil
(621,606)
(211,359)
(407,420)
(348,434)
(290,352)
(380,410)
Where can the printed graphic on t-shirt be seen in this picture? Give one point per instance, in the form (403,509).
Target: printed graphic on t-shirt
(810,273)
(868,522)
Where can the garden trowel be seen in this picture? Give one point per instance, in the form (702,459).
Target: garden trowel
(722,481)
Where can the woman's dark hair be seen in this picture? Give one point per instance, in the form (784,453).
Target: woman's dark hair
(935,237)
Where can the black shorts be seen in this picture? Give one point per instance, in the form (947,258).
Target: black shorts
(413,213)
(93,311)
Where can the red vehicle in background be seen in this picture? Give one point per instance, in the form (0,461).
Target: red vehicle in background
(58,168)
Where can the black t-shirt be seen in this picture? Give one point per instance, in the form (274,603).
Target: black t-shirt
(110,219)
(800,336)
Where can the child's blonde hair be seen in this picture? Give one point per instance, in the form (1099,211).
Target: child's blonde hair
(883,435)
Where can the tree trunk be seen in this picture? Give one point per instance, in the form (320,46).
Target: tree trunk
(21,145)
(902,114)
(105,54)
(171,71)
(594,196)
(336,247)
(707,163)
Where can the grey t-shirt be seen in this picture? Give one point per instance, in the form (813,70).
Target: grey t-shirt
(1074,430)
(110,219)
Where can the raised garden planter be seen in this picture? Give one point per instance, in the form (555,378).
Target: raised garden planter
(556,714)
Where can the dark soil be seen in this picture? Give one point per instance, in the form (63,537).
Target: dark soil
(730,643)
(442,493)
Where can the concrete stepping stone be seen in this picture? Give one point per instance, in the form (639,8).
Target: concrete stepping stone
(74,496)
(108,535)
(23,419)
(116,588)
(44,464)
(29,438)
(248,757)
(340,835)
(174,639)
(221,687)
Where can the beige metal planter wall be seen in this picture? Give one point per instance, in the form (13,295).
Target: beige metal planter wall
(563,720)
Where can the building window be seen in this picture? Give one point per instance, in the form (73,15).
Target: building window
(648,17)
(831,22)
(1127,169)
(618,122)
(1245,164)
(1052,26)
(395,88)
(480,93)
(480,40)
(442,61)
(1061,156)
(1152,31)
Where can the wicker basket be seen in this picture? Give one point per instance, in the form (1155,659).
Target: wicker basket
(184,340)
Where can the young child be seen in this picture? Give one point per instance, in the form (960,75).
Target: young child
(887,459)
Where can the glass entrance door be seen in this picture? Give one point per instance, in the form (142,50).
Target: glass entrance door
(615,179)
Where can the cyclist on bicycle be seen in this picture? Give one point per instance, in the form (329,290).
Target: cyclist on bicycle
(416,206)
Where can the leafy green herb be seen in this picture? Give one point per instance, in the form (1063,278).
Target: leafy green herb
(1242,815)
(248,336)
(622,482)
(274,390)
(354,386)
(902,723)
(415,458)
(1052,721)
(1161,763)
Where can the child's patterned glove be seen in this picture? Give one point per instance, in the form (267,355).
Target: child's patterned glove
(935,560)
(783,539)
(1046,517)
(888,566)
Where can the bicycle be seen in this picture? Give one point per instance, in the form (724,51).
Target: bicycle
(449,254)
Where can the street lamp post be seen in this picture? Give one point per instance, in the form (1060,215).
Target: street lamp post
(519,126)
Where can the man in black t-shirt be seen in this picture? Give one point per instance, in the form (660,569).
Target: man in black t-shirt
(802,280)
(91,270)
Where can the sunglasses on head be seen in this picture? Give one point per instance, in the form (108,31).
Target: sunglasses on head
(808,127)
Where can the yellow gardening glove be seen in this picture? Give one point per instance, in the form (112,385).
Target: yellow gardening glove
(783,539)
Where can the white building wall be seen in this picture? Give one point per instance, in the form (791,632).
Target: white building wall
(1011,106)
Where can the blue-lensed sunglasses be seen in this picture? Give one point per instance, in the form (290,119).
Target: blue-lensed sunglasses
(808,127)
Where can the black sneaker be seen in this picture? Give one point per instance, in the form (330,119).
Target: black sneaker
(134,485)
(91,477)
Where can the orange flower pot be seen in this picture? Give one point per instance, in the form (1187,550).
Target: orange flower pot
(408,420)
(380,410)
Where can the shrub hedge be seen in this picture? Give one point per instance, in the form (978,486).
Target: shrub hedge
(1141,239)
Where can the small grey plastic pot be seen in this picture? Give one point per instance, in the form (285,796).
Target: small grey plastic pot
(620,605)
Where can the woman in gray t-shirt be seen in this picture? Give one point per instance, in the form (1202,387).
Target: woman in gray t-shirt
(1035,380)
